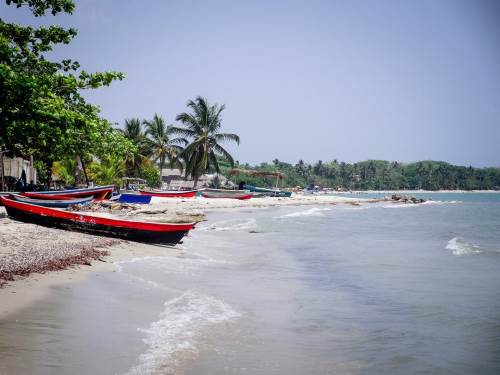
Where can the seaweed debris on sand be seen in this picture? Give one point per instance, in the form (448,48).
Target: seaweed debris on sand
(28,248)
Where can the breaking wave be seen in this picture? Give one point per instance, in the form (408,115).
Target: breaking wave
(315,211)
(459,247)
(231,225)
(177,332)
(426,203)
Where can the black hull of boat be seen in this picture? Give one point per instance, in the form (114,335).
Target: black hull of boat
(137,235)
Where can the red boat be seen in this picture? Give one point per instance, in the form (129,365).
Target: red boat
(99,192)
(170,194)
(163,233)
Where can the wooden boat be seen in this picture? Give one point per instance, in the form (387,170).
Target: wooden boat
(268,192)
(169,194)
(6,194)
(223,193)
(142,231)
(59,203)
(98,192)
(134,198)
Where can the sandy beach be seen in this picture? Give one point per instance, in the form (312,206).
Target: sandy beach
(34,258)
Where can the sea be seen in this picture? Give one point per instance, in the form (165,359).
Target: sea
(339,289)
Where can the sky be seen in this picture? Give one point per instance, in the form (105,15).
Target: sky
(313,80)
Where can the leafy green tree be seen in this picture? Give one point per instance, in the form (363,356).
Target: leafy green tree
(151,174)
(42,111)
(108,170)
(203,126)
(162,145)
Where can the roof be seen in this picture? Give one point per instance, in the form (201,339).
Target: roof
(170,172)
(256,173)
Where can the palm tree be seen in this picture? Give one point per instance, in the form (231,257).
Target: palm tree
(163,147)
(203,125)
(134,132)
(109,170)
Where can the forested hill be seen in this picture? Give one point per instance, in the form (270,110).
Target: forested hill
(376,175)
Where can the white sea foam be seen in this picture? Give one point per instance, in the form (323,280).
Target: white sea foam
(315,211)
(177,332)
(426,203)
(231,225)
(459,247)
(187,264)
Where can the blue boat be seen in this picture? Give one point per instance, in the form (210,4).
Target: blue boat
(134,198)
(59,203)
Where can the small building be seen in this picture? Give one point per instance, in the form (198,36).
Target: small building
(12,169)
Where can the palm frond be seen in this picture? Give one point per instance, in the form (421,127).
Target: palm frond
(227,137)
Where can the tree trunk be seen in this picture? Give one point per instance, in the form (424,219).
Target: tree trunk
(1,169)
(195,182)
(84,172)
(48,166)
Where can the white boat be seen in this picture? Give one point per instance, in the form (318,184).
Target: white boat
(224,193)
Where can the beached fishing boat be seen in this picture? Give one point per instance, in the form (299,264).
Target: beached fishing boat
(223,193)
(169,194)
(134,198)
(268,192)
(98,192)
(57,203)
(142,231)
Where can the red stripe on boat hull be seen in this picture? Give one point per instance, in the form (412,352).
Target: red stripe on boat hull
(166,194)
(96,193)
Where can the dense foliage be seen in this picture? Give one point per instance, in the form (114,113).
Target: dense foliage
(42,111)
(202,126)
(376,175)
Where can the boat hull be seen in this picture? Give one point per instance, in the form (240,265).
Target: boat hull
(51,203)
(134,198)
(101,192)
(269,192)
(170,194)
(230,194)
(159,233)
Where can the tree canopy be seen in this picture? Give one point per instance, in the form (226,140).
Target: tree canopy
(42,111)
(375,175)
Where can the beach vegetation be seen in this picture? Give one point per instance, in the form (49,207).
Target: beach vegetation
(43,112)
(202,126)
(162,143)
(374,175)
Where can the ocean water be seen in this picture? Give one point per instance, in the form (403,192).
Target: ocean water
(341,289)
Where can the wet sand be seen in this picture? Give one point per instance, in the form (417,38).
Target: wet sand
(35,259)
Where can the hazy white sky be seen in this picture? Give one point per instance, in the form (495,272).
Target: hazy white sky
(347,80)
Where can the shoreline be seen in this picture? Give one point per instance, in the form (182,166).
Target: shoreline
(25,291)
(47,257)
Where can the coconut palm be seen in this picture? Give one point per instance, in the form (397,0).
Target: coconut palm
(162,144)
(109,170)
(203,126)
(134,132)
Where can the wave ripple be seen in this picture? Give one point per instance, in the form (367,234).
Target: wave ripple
(181,323)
